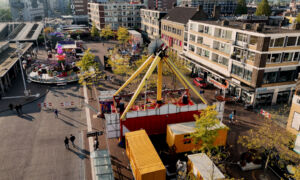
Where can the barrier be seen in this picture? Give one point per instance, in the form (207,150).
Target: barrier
(46,105)
(67,104)
(265,114)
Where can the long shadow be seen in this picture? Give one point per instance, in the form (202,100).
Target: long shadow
(27,117)
(80,155)
(68,123)
(72,109)
(73,119)
(86,152)
(74,95)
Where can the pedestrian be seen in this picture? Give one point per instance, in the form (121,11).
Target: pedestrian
(220,91)
(17,109)
(66,142)
(20,108)
(72,139)
(216,93)
(11,107)
(96,144)
(230,117)
(56,113)
(234,114)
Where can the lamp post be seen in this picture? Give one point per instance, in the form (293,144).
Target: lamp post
(26,92)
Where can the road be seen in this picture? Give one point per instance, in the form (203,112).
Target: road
(32,146)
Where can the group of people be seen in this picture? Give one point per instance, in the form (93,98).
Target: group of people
(72,139)
(17,107)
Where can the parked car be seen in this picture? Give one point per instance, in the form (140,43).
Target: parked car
(200,82)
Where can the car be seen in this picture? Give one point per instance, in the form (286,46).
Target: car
(200,82)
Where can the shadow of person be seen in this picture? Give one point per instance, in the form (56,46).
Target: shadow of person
(27,117)
(68,123)
(82,150)
(80,155)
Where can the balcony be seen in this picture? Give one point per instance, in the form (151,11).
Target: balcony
(296,99)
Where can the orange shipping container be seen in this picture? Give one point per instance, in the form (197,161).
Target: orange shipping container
(178,135)
(144,160)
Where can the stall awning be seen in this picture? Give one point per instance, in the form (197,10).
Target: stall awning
(102,165)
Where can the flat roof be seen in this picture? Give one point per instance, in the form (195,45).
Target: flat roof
(205,166)
(188,127)
(8,58)
(239,25)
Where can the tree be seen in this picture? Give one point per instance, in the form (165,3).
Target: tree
(94,31)
(5,15)
(298,18)
(123,35)
(263,8)
(271,141)
(107,32)
(241,7)
(48,30)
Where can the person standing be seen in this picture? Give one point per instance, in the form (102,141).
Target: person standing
(56,113)
(72,139)
(234,115)
(66,141)
(96,144)
(11,107)
(17,109)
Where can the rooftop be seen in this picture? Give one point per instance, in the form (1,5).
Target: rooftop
(239,25)
(183,14)
(9,57)
(188,127)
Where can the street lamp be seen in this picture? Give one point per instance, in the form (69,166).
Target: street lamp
(19,46)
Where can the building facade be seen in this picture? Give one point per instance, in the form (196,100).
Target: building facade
(80,7)
(151,22)
(174,25)
(26,10)
(160,4)
(293,124)
(227,6)
(115,15)
(257,63)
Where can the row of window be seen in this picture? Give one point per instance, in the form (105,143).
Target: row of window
(171,40)
(124,13)
(114,7)
(115,19)
(285,41)
(172,29)
(279,76)
(241,72)
(283,57)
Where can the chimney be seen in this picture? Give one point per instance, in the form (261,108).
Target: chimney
(225,23)
(174,5)
(247,26)
(259,27)
(216,12)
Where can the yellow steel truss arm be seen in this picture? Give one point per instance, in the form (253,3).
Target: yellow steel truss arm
(185,80)
(135,74)
(142,84)
(159,80)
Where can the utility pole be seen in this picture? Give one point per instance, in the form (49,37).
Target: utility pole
(19,51)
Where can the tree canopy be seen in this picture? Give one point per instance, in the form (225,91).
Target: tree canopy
(241,7)
(107,32)
(123,35)
(263,8)
(94,31)
(5,15)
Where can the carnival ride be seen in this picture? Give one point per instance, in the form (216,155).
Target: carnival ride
(155,114)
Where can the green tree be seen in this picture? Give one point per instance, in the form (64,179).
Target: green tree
(263,8)
(298,18)
(271,141)
(123,35)
(94,31)
(107,32)
(241,7)
(5,15)
(89,71)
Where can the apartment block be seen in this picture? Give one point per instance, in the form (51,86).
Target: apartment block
(160,4)
(293,124)
(80,7)
(115,14)
(227,6)
(174,26)
(255,62)
(26,10)
(151,22)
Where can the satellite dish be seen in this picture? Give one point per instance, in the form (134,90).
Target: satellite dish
(154,46)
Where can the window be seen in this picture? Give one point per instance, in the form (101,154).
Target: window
(207,30)
(253,40)
(205,53)
(199,40)
(199,50)
(218,32)
(192,48)
(173,30)
(237,70)
(242,37)
(178,31)
(269,77)
(298,43)
(192,38)
(279,42)
(247,75)
(200,28)
(271,43)
(287,57)
(251,56)
(215,57)
(291,41)
(224,61)
(296,56)
(274,58)
(285,76)
(296,121)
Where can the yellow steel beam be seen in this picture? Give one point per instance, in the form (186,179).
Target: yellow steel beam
(185,80)
(180,79)
(141,85)
(135,74)
(159,80)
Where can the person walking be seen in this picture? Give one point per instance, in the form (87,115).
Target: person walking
(72,139)
(96,144)
(230,118)
(17,109)
(11,107)
(234,115)
(56,113)
(66,141)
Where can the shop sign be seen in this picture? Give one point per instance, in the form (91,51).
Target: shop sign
(217,84)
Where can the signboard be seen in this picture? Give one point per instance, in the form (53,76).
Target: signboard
(297,144)
(94,133)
